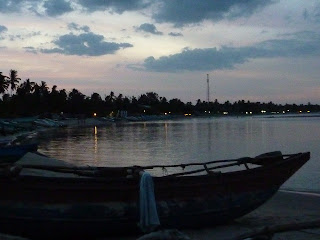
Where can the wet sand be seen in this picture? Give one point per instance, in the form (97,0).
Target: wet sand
(283,208)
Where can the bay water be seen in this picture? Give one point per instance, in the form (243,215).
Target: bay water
(191,140)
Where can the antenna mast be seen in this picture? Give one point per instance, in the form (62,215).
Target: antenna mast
(208,89)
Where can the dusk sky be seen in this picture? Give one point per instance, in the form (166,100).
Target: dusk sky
(257,50)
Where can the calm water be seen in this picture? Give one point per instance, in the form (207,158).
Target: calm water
(190,140)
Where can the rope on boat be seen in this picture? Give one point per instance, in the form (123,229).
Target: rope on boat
(103,171)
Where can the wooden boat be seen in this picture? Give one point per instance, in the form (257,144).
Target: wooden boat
(12,153)
(103,201)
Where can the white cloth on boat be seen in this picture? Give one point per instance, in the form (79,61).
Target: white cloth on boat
(149,219)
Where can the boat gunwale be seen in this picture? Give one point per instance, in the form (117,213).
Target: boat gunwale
(124,179)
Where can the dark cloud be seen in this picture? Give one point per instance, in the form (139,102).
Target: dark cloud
(10,6)
(185,12)
(300,44)
(57,7)
(148,28)
(316,12)
(3,29)
(178,12)
(74,26)
(16,37)
(305,14)
(175,34)
(88,44)
(51,7)
(30,50)
(20,37)
(118,6)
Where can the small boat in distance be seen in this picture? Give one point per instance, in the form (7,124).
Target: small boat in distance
(76,202)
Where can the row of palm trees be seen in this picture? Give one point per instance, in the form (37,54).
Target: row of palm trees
(28,98)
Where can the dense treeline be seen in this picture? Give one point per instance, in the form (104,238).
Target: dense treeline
(27,98)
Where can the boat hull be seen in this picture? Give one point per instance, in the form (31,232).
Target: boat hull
(12,153)
(57,221)
(63,208)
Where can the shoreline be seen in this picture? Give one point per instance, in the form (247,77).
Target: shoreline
(33,129)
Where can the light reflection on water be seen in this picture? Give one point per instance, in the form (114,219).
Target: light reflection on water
(189,140)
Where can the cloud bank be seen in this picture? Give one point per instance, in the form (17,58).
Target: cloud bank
(85,44)
(185,12)
(51,7)
(177,12)
(57,7)
(114,5)
(209,59)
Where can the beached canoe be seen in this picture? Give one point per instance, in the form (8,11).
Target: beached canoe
(96,201)
(12,153)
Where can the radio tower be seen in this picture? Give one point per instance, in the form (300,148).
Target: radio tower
(208,89)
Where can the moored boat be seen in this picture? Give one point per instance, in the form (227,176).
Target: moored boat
(98,201)
(11,153)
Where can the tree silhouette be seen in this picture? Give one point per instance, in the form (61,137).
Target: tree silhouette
(32,98)
(4,83)
(13,80)
(26,88)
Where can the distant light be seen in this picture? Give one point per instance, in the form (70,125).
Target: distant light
(300,111)
(95,114)
(169,112)
(209,112)
(144,110)
(283,111)
(165,113)
(247,113)
(250,112)
(225,113)
(263,111)
(308,111)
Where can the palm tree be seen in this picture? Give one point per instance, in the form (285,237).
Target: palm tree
(13,80)
(42,89)
(26,88)
(110,98)
(4,83)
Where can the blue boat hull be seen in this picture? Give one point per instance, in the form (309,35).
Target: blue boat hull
(11,153)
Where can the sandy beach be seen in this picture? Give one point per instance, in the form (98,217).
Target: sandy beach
(285,207)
